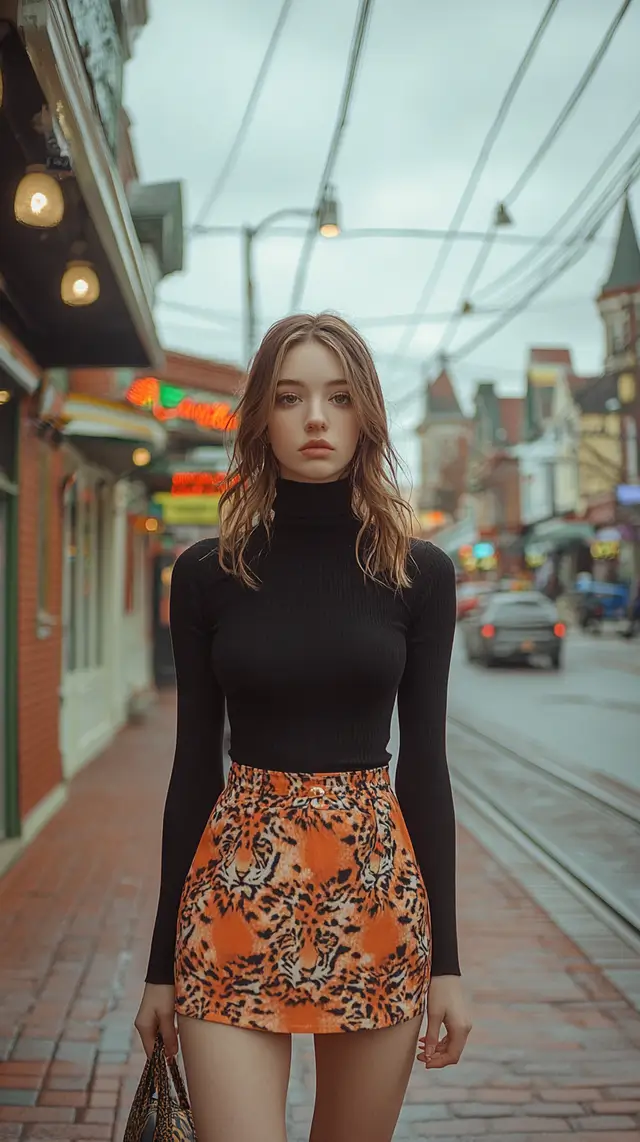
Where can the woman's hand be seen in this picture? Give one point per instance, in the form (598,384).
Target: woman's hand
(445,1004)
(157,1014)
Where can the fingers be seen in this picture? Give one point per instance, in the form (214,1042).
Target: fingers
(169,1035)
(430,1040)
(147,1030)
(448,1051)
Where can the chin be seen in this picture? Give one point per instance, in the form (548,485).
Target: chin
(314,469)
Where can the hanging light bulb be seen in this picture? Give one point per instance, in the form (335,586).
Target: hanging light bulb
(39,201)
(141,457)
(467,308)
(502,216)
(328,215)
(80,284)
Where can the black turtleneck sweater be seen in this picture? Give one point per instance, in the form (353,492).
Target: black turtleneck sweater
(310,666)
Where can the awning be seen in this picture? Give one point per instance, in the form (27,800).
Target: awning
(110,420)
(15,363)
(556,533)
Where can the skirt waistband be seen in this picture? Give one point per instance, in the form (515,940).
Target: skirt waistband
(249,778)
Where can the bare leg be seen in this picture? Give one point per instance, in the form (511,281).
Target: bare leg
(237,1081)
(361,1080)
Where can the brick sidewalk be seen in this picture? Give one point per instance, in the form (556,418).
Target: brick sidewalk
(555,1052)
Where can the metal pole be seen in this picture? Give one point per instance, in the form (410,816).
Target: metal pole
(248,235)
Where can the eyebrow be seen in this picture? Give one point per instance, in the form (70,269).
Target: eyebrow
(302,384)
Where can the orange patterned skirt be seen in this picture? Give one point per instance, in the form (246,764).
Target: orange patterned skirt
(304,909)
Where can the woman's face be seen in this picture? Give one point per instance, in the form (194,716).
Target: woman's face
(313,407)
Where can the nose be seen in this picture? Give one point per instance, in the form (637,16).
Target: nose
(316,418)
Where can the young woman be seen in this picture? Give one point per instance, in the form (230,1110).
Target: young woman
(306,895)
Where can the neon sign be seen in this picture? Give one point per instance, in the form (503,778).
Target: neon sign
(167,402)
(198,483)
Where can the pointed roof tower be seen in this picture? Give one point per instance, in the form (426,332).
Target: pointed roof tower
(625,270)
(441,397)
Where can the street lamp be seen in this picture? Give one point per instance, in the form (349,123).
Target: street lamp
(328,225)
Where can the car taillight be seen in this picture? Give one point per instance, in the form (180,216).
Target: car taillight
(559,630)
(488,631)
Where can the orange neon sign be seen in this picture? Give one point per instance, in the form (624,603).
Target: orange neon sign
(167,402)
(197,483)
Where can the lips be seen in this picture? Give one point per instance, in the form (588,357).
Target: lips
(317,445)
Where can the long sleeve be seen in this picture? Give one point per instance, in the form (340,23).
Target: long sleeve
(423,785)
(197,778)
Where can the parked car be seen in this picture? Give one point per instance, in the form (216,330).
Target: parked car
(469,595)
(514,626)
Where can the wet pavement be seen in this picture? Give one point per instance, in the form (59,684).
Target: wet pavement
(555,1051)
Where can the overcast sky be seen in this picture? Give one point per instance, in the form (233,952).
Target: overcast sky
(431,80)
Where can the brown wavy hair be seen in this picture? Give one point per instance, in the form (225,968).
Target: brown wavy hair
(383,542)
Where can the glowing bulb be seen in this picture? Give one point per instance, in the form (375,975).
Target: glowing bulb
(5,396)
(141,457)
(151,524)
(80,284)
(38,201)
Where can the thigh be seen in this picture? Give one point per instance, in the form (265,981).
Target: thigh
(237,1080)
(361,1081)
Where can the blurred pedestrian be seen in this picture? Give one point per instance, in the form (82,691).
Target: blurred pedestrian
(306,895)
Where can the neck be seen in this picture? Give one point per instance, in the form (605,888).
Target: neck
(300,502)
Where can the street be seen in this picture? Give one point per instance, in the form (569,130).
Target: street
(555,1049)
(586,716)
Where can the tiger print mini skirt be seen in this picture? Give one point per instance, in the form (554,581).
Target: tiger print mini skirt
(304,909)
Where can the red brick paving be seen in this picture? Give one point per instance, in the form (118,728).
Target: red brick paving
(554,1055)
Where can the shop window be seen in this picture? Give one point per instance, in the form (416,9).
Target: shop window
(44,532)
(101,555)
(85,587)
(71,577)
(130,567)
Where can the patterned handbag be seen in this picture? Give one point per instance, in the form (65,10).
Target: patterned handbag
(156,1115)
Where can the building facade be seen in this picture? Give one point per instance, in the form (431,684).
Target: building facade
(84,244)
(444,445)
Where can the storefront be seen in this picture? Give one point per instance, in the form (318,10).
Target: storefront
(106,610)
(79,262)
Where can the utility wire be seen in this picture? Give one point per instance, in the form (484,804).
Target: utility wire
(229,163)
(612,194)
(478,169)
(571,103)
(362,22)
(528,172)
(515,271)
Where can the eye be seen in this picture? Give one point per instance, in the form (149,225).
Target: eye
(288,399)
(341,399)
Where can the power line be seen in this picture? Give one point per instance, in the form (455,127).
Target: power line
(531,167)
(478,168)
(362,22)
(571,103)
(608,200)
(604,168)
(247,117)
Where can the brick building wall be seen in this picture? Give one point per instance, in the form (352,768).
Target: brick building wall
(39,658)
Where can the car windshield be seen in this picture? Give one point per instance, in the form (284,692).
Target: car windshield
(523,606)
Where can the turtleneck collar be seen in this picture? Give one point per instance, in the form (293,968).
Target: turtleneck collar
(300,502)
